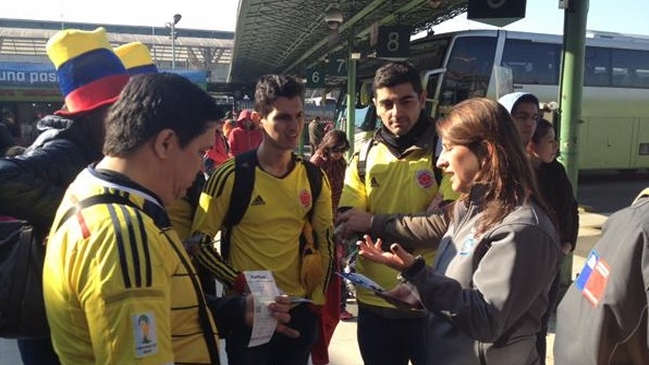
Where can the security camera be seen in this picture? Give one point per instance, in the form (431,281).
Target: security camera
(333,17)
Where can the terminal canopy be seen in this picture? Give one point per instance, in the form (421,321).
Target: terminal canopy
(289,36)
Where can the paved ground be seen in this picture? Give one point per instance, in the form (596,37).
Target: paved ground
(343,347)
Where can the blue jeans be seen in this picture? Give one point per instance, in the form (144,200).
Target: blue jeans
(37,351)
(390,341)
(281,350)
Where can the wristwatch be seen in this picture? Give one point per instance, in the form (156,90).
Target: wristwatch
(412,269)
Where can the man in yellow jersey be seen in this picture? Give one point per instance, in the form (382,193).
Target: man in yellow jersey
(395,174)
(119,287)
(280,202)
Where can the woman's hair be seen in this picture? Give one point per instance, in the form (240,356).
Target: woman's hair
(332,140)
(487,129)
(542,128)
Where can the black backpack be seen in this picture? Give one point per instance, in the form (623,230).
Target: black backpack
(22,309)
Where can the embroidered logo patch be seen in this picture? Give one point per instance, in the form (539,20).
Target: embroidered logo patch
(305,198)
(258,200)
(374,183)
(469,244)
(424,178)
(144,334)
(593,278)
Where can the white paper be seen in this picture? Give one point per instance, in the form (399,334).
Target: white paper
(264,290)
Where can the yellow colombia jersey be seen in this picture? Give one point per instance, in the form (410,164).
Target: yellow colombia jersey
(116,290)
(392,185)
(268,236)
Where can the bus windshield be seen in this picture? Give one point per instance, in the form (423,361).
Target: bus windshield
(468,71)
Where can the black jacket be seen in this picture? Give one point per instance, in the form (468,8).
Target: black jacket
(32,185)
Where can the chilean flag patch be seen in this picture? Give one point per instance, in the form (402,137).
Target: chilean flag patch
(592,280)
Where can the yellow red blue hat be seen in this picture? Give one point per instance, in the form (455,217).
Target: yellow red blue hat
(136,57)
(90,73)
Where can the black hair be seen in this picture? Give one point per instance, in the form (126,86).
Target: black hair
(153,102)
(271,87)
(396,73)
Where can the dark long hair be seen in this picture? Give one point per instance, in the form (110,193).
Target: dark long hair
(332,140)
(487,129)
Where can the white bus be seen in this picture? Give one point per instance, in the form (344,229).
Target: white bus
(614,131)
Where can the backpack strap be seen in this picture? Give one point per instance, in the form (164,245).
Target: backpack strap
(361,163)
(314,174)
(244,180)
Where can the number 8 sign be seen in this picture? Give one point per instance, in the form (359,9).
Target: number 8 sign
(393,42)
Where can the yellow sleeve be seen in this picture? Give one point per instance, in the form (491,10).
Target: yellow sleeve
(322,223)
(124,287)
(353,195)
(208,220)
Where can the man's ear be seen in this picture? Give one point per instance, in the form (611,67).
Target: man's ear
(422,99)
(163,141)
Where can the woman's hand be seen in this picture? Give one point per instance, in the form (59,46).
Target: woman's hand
(397,259)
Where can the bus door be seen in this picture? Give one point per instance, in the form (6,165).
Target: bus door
(430,82)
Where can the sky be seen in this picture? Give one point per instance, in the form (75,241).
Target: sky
(543,16)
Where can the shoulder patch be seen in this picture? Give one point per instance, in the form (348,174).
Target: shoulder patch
(593,278)
(145,334)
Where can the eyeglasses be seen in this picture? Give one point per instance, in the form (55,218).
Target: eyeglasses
(339,150)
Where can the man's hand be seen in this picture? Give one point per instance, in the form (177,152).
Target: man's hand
(397,259)
(353,221)
(279,309)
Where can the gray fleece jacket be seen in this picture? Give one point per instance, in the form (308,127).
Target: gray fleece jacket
(487,293)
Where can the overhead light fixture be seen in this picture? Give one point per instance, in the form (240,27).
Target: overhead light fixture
(333,17)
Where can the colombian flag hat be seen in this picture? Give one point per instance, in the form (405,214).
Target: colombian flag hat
(136,58)
(90,73)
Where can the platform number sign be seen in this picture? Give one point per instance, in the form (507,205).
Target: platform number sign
(315,77)
(393,42)
(338,67)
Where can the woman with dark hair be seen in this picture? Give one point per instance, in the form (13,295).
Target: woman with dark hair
(329,157)
(489,286)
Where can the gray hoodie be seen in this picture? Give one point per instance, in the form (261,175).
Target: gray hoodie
(487,293)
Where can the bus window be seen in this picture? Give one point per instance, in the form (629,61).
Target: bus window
(597,70)
(626,64)
(467,72)
(532,62)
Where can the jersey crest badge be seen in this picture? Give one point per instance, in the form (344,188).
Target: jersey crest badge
(424,178)
(305,198)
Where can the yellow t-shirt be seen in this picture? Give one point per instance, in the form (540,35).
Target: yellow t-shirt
(116,291)
(392,185)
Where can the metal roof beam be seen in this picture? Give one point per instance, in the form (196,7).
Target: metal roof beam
(343,27)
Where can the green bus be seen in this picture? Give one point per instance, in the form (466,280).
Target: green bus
(614,126)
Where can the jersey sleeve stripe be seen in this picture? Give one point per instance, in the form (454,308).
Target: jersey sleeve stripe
(219,177)
(145,248)
(133,243)
(120,246)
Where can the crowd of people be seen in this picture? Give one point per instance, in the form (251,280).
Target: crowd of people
(146,194)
